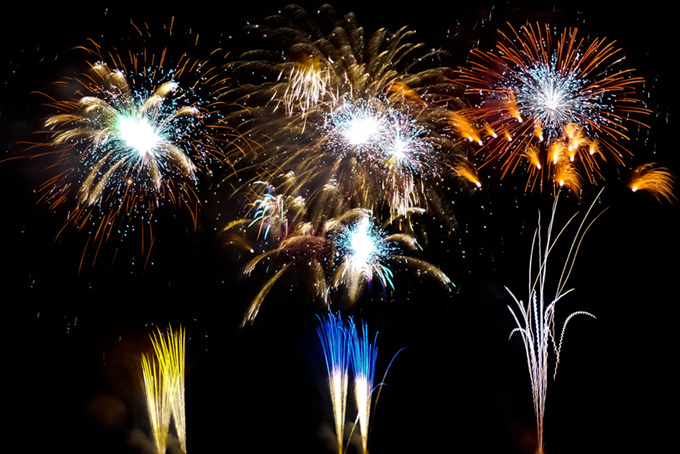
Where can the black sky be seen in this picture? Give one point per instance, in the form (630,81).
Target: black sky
(72,340)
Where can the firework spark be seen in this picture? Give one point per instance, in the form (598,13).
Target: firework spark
(137,132)
(659,181)
(543,94)
(536,319)
(335,343)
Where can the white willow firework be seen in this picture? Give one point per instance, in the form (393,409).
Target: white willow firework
(536,319)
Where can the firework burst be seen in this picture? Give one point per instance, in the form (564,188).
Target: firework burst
(344,109)
(551,104)
(136,133)
(343,253)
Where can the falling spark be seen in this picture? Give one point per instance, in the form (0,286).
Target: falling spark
(658,181)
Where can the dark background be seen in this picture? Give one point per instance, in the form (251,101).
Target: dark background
(71,341)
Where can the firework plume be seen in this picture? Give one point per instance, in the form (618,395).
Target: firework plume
(364,356)
(157,403)
(334,340)
(536,319)
(169,348)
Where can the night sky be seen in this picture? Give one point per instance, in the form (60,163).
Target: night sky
(72,339)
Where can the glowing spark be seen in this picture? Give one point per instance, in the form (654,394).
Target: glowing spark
(659,181)
(364,250)
(138,134)
(465,169)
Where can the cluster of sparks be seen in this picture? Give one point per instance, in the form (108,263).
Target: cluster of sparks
(342,255)
(344,345)
(163,380)
(551,104)
(135,136)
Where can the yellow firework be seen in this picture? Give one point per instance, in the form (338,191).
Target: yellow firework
(157,403)
(169,347)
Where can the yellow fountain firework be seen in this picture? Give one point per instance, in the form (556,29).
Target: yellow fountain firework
(164,386)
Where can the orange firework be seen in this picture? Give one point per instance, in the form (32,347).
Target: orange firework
(545,94)
(658,181)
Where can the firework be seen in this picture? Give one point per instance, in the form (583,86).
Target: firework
(343,109)
(536,319)
(157,402)
(169,347)
(657,180)
(546,98)
(335,343)
(342,253)
(137,132)
(364,356)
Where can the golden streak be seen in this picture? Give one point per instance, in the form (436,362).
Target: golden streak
(567,176)
(169,347)
(658,181)
(464,128)
(465,169)
(531,154)
(157,402)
